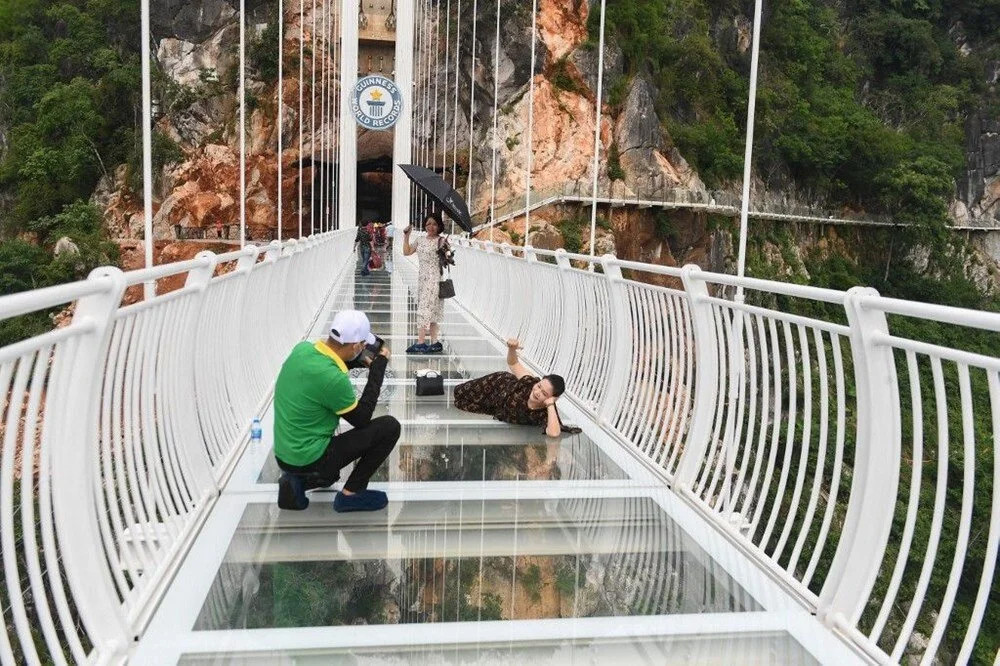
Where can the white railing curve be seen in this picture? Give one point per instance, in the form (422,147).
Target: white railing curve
(120,428)
(801,436)
(825,433)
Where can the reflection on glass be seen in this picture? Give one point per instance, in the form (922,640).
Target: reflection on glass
(751,649)
(566,458)
(423,562)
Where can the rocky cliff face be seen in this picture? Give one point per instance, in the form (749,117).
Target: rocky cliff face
(196,51)
(562,140)
(979,190)
(197,54)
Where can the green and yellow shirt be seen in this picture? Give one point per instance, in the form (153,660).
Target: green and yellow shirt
(312,392)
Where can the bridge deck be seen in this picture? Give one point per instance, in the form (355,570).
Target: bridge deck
(498,546)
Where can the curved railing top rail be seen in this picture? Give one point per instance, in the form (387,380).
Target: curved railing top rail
(109,462)
(850,443)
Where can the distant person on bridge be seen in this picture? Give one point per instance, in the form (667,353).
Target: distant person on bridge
(312,393)
(364,239)
(516,397)
(430,307)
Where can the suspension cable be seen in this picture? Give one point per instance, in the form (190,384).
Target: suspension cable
(531,123)
(741,262)
(496,94)
(472,101)
(312,127)
(243,127)
(458,49)
(426,97)
(335,137)
(148,288)
(414,93)
(597,136)
(437,89)
(324,213)
(281,100)
(447,82)
(302,49)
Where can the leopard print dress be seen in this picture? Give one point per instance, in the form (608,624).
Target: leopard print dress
(503,396)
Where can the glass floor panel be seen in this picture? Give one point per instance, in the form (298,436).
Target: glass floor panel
(384,328)
(403,366)
(450,317)
(492,453)
(448,561)
(752,649)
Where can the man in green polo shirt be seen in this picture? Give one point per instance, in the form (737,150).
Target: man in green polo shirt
(312,393)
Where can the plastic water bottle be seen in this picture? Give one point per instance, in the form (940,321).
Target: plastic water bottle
(255,431)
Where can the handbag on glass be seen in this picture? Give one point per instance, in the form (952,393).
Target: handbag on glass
(430,382)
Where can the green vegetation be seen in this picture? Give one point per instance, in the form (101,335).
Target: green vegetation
(615,171)
(69,92)
(262,51)
(531,580)
(942,282)
(851,97)
(561,78)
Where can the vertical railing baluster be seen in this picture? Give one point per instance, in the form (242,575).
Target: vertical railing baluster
(74,426)
(872,499)
(706,379)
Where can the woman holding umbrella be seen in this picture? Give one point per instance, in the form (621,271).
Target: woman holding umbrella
(429,305)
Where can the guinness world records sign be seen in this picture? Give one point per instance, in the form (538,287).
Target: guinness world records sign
(376,103)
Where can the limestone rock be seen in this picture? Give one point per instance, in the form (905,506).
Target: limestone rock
(979,189)
(188,62)
(586,62)
(642,145)
(546,237)
(562,25)
(189,20)
(66,246)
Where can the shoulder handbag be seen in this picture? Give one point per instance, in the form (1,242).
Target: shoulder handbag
(430,383)
(446,288)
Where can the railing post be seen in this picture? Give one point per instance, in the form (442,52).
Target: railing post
(529,253)
(571,320)
(875,481)
(706,391)
(273,251)
(74,467)
(561,259)
(198,279)
(621,344)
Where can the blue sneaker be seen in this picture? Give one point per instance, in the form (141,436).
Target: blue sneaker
(366,500)
(435,348)
(291,493)
(418,348)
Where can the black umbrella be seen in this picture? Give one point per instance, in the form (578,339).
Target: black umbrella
(443,193)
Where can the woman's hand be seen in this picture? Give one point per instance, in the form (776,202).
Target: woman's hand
(549,402)
(514,344)
(407,230)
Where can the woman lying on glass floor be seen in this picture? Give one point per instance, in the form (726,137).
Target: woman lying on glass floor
(516,396)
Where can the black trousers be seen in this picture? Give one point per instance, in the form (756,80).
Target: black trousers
(369,446)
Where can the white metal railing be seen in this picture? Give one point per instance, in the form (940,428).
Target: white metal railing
(121,427)
(814,441)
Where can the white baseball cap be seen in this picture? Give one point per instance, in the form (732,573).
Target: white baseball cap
(350,327)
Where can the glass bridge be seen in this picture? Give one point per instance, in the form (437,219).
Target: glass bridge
(499,545)
(746,488)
